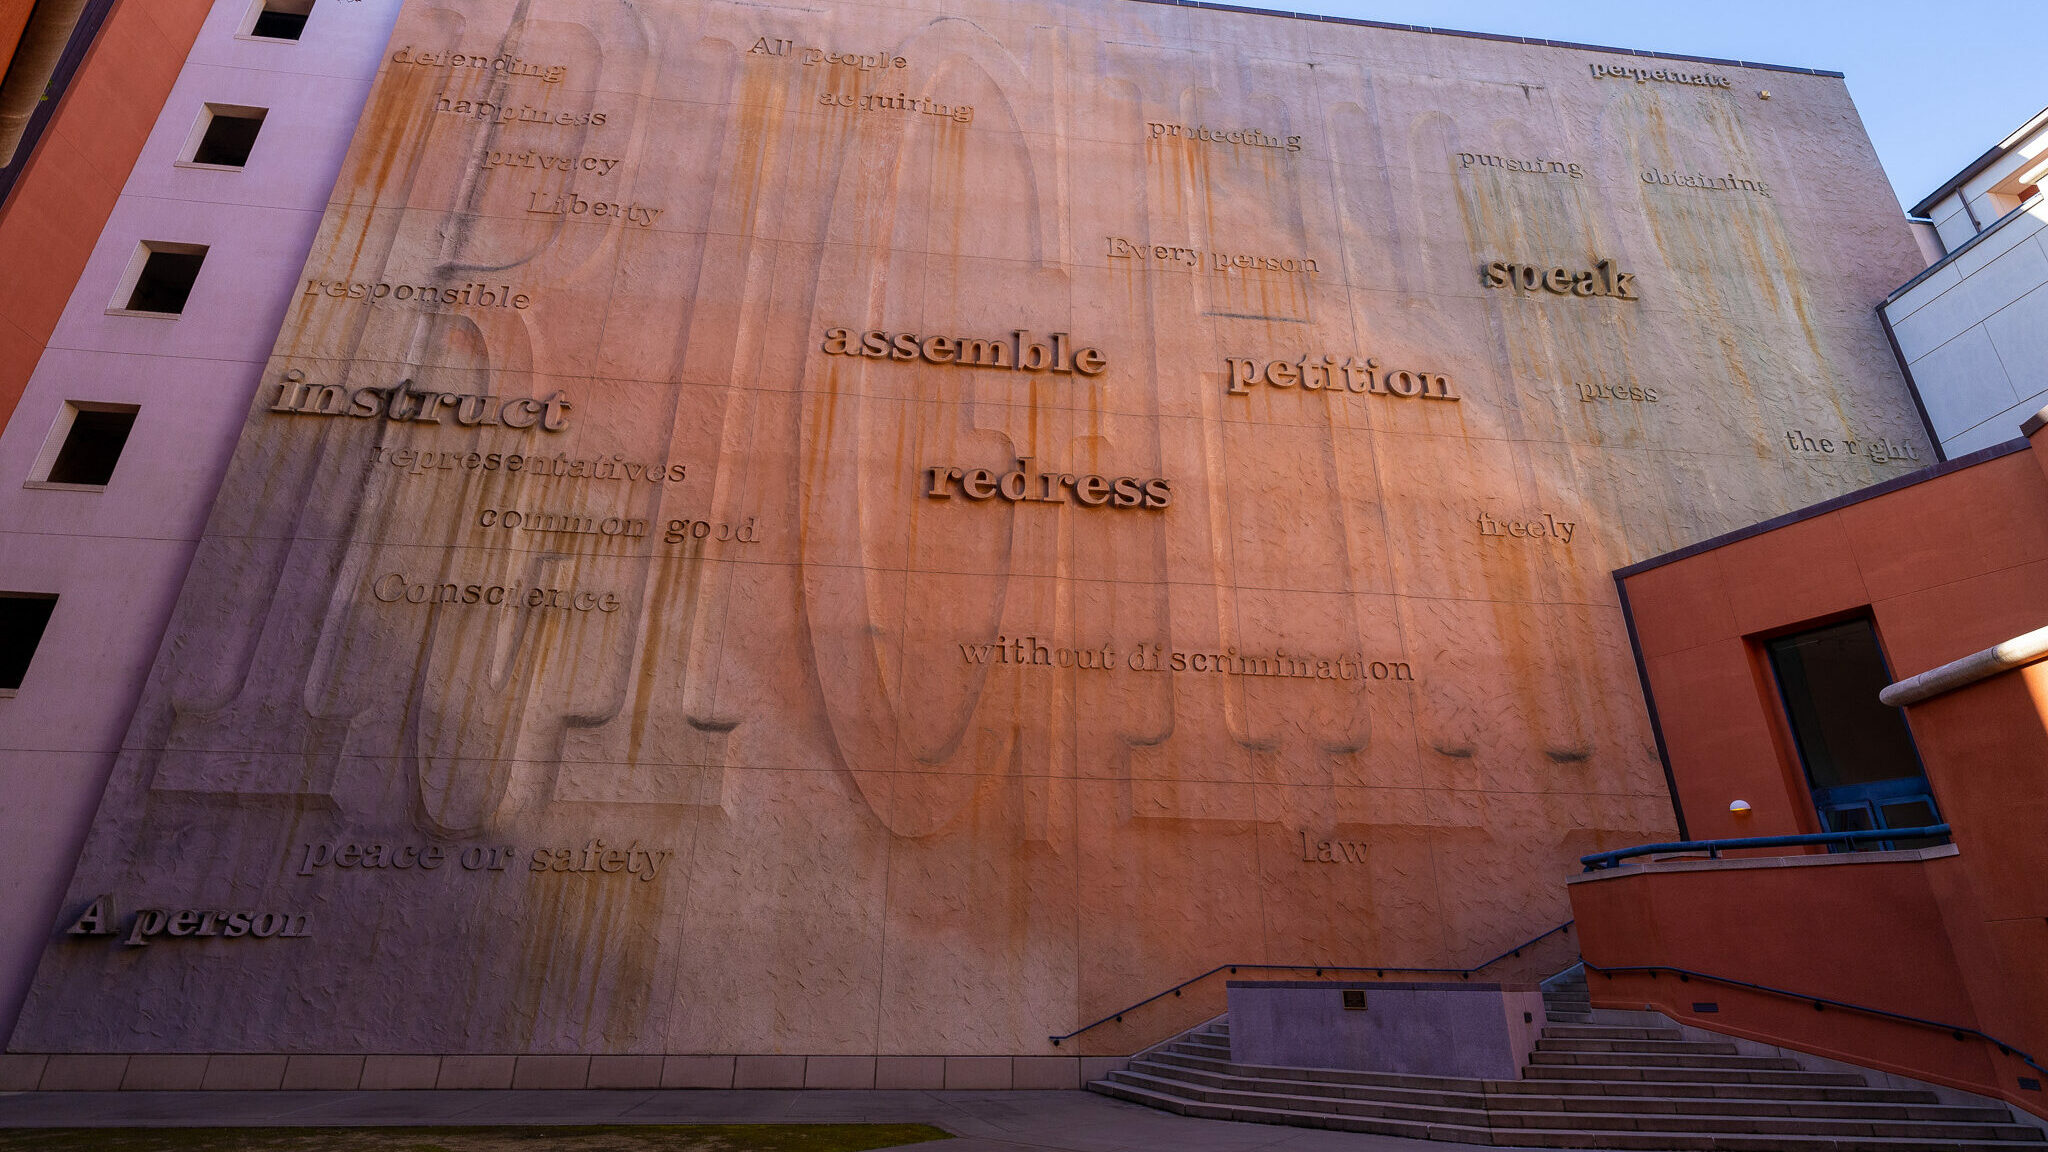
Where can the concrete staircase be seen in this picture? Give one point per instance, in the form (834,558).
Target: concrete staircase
(1591,1083)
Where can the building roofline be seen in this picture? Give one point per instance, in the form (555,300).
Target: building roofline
(1970,171)
(1381,24)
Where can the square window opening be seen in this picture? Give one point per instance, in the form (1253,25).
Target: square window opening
(225,135)
(23,617)
(279,19)
(160,278)
(85,444)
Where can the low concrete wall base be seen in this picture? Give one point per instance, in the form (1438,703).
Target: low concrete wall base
(1477,1031)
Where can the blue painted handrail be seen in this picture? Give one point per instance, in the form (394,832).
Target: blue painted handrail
(1714,848)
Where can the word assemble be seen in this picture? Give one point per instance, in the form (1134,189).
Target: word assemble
(1027,486)
(1018,353)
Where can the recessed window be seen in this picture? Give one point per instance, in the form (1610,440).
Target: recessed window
(280,19)
(84,445)
(225,135)
(160,278)
(23,616)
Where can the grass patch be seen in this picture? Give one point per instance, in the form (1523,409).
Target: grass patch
(592,1138)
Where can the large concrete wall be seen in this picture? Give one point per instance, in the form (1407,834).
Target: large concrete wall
(731,734)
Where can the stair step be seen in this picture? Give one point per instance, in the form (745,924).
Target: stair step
(1711,1090)
(1325,1075)
(1337,1090)
(1687,1075)
(1322,1105)
(1608,1032)
(1674,1060)
(1637,1047)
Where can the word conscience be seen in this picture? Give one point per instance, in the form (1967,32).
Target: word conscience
(1019,353)
(1032,487)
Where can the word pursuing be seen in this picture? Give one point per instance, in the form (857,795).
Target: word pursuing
(1666,75)
(1516,164)
(570,204)
(1332,851)
(1882,450)
(1030,651)
(1248,137)
(1726,183)
(1604,280)
(501,65)
(99,916)
(1122,249)
(1549,527)
(524,114)
(1025,485)
(1590,392)
(597,165)
(642,864)
(811,57)
(1019,353)
(900,102)
(616,467)
(404,404)
(1312,375)
(393,587)
(471,295)
(399,857)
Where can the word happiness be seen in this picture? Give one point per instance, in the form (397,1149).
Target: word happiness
(1024,485)
(1667,75)
(473,295)
(1516,164)
(501,65)
(1729,182)
(98,918)
(404,404)
(1019,353)
(900,102)
(1312,375)
(1031,651)
(812,57)
(1603,280)
(1248,137)
(506,114)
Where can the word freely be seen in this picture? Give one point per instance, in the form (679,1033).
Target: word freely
(98,918)
(398,857)
(1332,851)
(1248,137)
(1028,486)
(404,404)
(472,295)
(1728,183)
(1667,75)
(900,102)
(1589,392)
(1881,450)
(1549,527)
(1516,164)
(570,204)
(393,587)
(507,114)
(811,57)
(1122,249)
(1603,280)
(1031,651)
(596,857)
(616,467)
(1019,353)
(1314,375)
(503,65)
(600,165)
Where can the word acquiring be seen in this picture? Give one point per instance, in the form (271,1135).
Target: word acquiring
(1603,280)
(400,857)
(502,65)
(1122,249)
(404,404)
(641,863)
(599,165)
(1332,851)
(1531,529)
(98,918)
(1318,376)
(1019,353)
(1668,75)
(1591,391)
(472,295)
(1027,486)
(1880,450)
(1516,164)
(811,57)
(570,204)
(393,587)
(900,102)
(1726,183)
(1248,137)
(617,467)
(506,114)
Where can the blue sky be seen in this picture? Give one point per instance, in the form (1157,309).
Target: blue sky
(1937,84)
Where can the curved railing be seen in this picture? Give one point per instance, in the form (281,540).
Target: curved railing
(1318,969)
(1714,848)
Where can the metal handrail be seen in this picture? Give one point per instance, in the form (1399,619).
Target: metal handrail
(1819,1002)
(1714,848)
(1319,969)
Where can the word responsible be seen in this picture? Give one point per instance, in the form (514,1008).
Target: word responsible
(1312,375)
(404,404)
(1025,485)
(472,295)
(1603,280)
(1019,353)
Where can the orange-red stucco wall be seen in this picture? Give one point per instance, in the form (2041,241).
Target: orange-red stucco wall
(58,207)
(1946,567)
